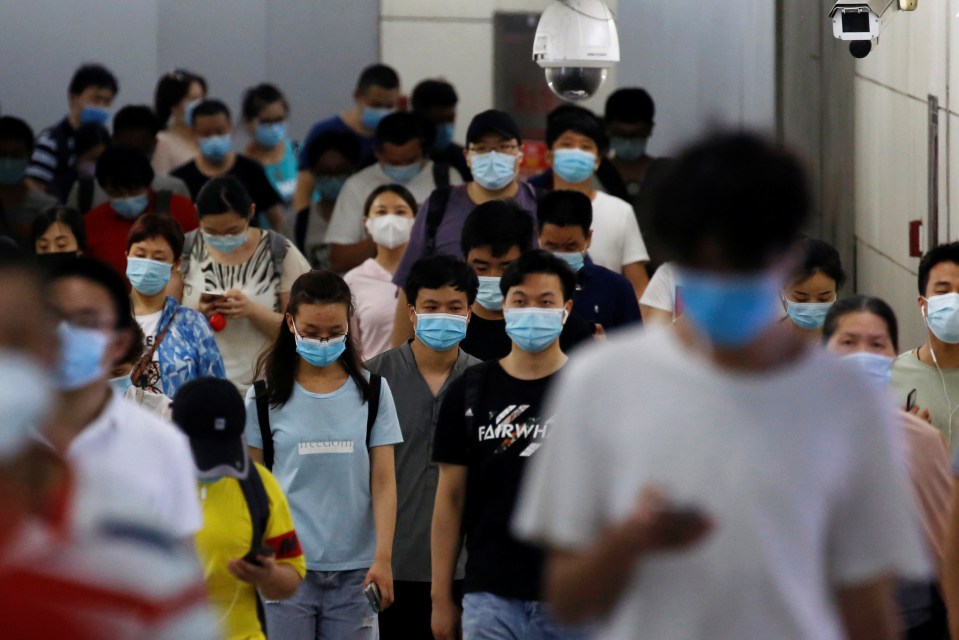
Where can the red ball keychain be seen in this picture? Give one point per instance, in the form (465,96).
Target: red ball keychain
(217,322)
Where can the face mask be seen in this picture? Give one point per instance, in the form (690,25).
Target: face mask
(12,170)
(94,115)
(131,207)
(81,356)
(402,174)
(534,329)
(489,296)
(444,136)
(440,331)
(628,149)
(328,188)
(319,353)
(188,111)
(270,135)
(574,259)
(53,261)
(808,315)
(573,165)
(371,117)
(215,148)
(390,231)
(493,170)
(149,277)
(876,366)
(942,316)
(732,311)
(226,244)
(121,384)
(26,398)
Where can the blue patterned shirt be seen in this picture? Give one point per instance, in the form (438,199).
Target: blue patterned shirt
(188,350)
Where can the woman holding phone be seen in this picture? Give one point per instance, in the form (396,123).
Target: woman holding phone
(327,428)
(238,276)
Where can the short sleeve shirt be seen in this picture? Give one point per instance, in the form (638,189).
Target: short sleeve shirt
(323,466)
(374,296)
(604,297)
(249,172)
(908,373)
(663,291)
(616,241)
(335,123)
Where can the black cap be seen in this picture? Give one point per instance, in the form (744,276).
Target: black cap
(210,412)
(492,121)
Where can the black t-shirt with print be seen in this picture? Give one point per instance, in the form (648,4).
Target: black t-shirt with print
(506,429)
(249,172)
(487,339)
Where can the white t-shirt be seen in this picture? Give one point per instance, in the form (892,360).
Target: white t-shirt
(807,496)
(616,237)
(660,293)
(132,466)
(346,223)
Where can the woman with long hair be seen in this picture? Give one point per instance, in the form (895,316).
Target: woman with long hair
(330,435)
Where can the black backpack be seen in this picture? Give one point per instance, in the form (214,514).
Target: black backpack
(258,503)
(263,415)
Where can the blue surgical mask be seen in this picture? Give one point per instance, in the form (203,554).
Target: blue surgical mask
(489,296)
(130,208)
(319,353)
(149,277)
(96,115)
(81,356)
(533,329)
(402,174)
(328,188)
(227,243)
(876,366)
(440,331)
(493,170)
(573,165)
(188,111)
(371,117)
(574,259)
(942,316)
(270,135)
(808,315)
(215,148)
(628,149)
(121,384)
(731,311)
(444,136)
(12,170)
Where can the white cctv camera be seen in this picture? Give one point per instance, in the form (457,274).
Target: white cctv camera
(576,42)
(859,23)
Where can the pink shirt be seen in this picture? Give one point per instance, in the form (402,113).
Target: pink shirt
(374,295)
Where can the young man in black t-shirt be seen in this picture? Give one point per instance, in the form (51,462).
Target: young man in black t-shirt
(494,236)
(490,425)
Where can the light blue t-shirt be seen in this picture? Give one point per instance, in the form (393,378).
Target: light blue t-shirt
(282,175)
(323,467)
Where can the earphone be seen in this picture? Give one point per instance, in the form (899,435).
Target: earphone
(945,391)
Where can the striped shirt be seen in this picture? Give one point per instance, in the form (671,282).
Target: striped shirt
(53,162)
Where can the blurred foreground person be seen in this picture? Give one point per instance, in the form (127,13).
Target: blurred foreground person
(750,512)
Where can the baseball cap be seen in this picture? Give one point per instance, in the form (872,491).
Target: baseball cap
(492,121)
(210,412)
(26,396)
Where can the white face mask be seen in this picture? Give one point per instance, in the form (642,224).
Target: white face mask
(390,231)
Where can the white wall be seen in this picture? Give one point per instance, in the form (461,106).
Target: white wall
(454,40)
(892,88)
(312,49)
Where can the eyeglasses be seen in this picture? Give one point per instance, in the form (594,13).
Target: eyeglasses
(506,147)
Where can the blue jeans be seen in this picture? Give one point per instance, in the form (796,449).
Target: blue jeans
(328,605)
(490,617)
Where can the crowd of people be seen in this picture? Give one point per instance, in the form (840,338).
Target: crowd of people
(381,385)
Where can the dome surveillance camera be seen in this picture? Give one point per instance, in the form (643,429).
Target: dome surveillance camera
(576,43)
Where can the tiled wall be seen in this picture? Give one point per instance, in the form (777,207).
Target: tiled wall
(893,84)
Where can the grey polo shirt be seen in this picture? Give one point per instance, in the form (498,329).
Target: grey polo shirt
(416,473)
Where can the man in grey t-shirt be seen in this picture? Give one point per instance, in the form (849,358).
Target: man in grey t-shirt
(441,289)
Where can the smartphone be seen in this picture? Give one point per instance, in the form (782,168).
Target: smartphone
(911,400)
(373,596)
(685,517)
(211,296)
(252,558)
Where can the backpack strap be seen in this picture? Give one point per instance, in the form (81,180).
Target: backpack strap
(434,216)
(441,175)
(263,417)
(373,405)
(258,503)
(161,205)
(85,193)
(278,251)
(189,240)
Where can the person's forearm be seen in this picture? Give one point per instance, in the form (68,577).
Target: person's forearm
(638,277)
(282,583)
(445,545)
(266,321)
(868,611)
(303,196)
(587,584)
(344,257)
(383,485)
(402,326)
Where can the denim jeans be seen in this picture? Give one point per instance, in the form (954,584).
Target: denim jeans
(490,617)
(328,605)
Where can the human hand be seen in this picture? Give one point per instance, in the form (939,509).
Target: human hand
(922,414)
(235,304)
(445,621)
(381,573)
(251,573)
(658,525)
(208,304)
